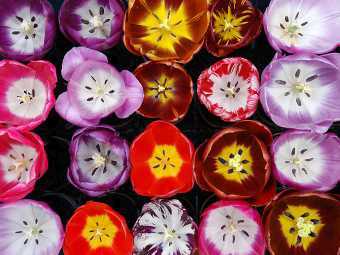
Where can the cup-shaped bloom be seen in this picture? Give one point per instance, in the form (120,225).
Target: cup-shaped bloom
(27,29)
(233,25)
(165,29)
(27,93)
(161,161)
(99,160)
(30,227)
(307,161)
(303,223)
(235,163)
(303,26)
(23,161)
(231,227)
(95,228)
(229,89)
(96,24)
(96,89)
(302,91)
(164,227)
(168,90)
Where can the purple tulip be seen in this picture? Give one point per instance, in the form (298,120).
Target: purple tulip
(166,228)
(97,24)
(29,227)
(96,89)
(303,26)
(99,160)
(307,161)
(27,29)
(302,91)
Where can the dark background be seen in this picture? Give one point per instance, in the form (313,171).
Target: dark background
(198,125)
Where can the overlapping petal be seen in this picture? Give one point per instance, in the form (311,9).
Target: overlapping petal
(164,227)
(168,90)
(230,89)
(161,160)
(23,161)
(95,228)
(301,91)
(96,89)
(303,26)
(233,25)
(166,30)
(302,223)
(231,227)
(27,93)
(27,29)
(99,160)
(97,24)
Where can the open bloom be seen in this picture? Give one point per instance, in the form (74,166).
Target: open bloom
(302,91)
(297,26)
(231,227)
(96,24)
(27,93)
(235,163)
(303,223)
(23,161)
(30,227)
(168,90)
(96,89)
(27,29)
(307,161)
(166,228)
(233,25)
(161,160)
(99,160)
(96,229)
(164,29)
(230,89)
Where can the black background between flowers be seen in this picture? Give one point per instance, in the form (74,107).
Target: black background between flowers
(198,125)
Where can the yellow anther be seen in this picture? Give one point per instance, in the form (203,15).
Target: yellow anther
(99,160)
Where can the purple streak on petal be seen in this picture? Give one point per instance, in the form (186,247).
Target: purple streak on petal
(134,95)
(77,56)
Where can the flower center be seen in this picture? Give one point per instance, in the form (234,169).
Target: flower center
(304,227)
(292,28)
(99,160)
(169,234)
(235,163)
(301,87)
(165,161)
(161,89)
(27,27)
(235,228)
(30,231)
(99,91)
(27,97)
(97,21)
(99,231)
(20,165)
(231,91)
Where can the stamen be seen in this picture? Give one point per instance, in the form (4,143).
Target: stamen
(297,73)
(304,23)
(84,21)
(281,82)
(19,18)
(101,10)
(298,101)
(312,78)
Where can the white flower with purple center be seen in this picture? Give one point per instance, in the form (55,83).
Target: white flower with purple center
(231,227)
(28,29)
(164,228)
(96,24)
(307,161)
(303,25)
(302,91)
(29,227)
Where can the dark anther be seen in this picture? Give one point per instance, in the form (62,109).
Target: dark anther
(287,94)
(91,13)
(307,94)
(293,151)
(281,82)
(92,30)
(231,155)
(304,23)
(100,238)
(245,161)
(312,234)
(303,151)
(104,170)
(226,95)
(87,87)
(289,215)
(312,78)
(88,159)
(91,238)
(84,21)
(298,101)
(16,32)
(304,170)
(18,232)
(101,10)
(111,91)
(298,240)
(89,99)
(94,171)
(315,221)
(98,147)
(19,18)
(224,235)
(158,158)
(237,90)
(156,166)
(282,26)
(223,227)
(26,37)
(297,15)
(36,221)
(240,221)
(102,99)
(243,171)
(35,25)
(300,34)
(245,232)
(160,38)
(309,159)
(12,157)
(25,222)
(107,20)
(164,167)
(25,242)
(291,230)
(236,84)
(240,151)
(297,73)
(233,238)
(93,78)
(163,152)
(294,172)
(114,163)
(37,241)
(306,214)
(41,231)
(228,216)
(230,171)
(173,35)
(33,19)
(286,19)
(33,92)
(228,84)
(222,89)
(222,160)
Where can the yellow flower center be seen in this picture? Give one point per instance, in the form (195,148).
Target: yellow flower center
(234,163)
(161,89)
(300,225)
(302,87)
(99,231)
(98,160)
(166,27)
(228,26)
(97,22)
(19,165)
(165,161)
(27,27)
